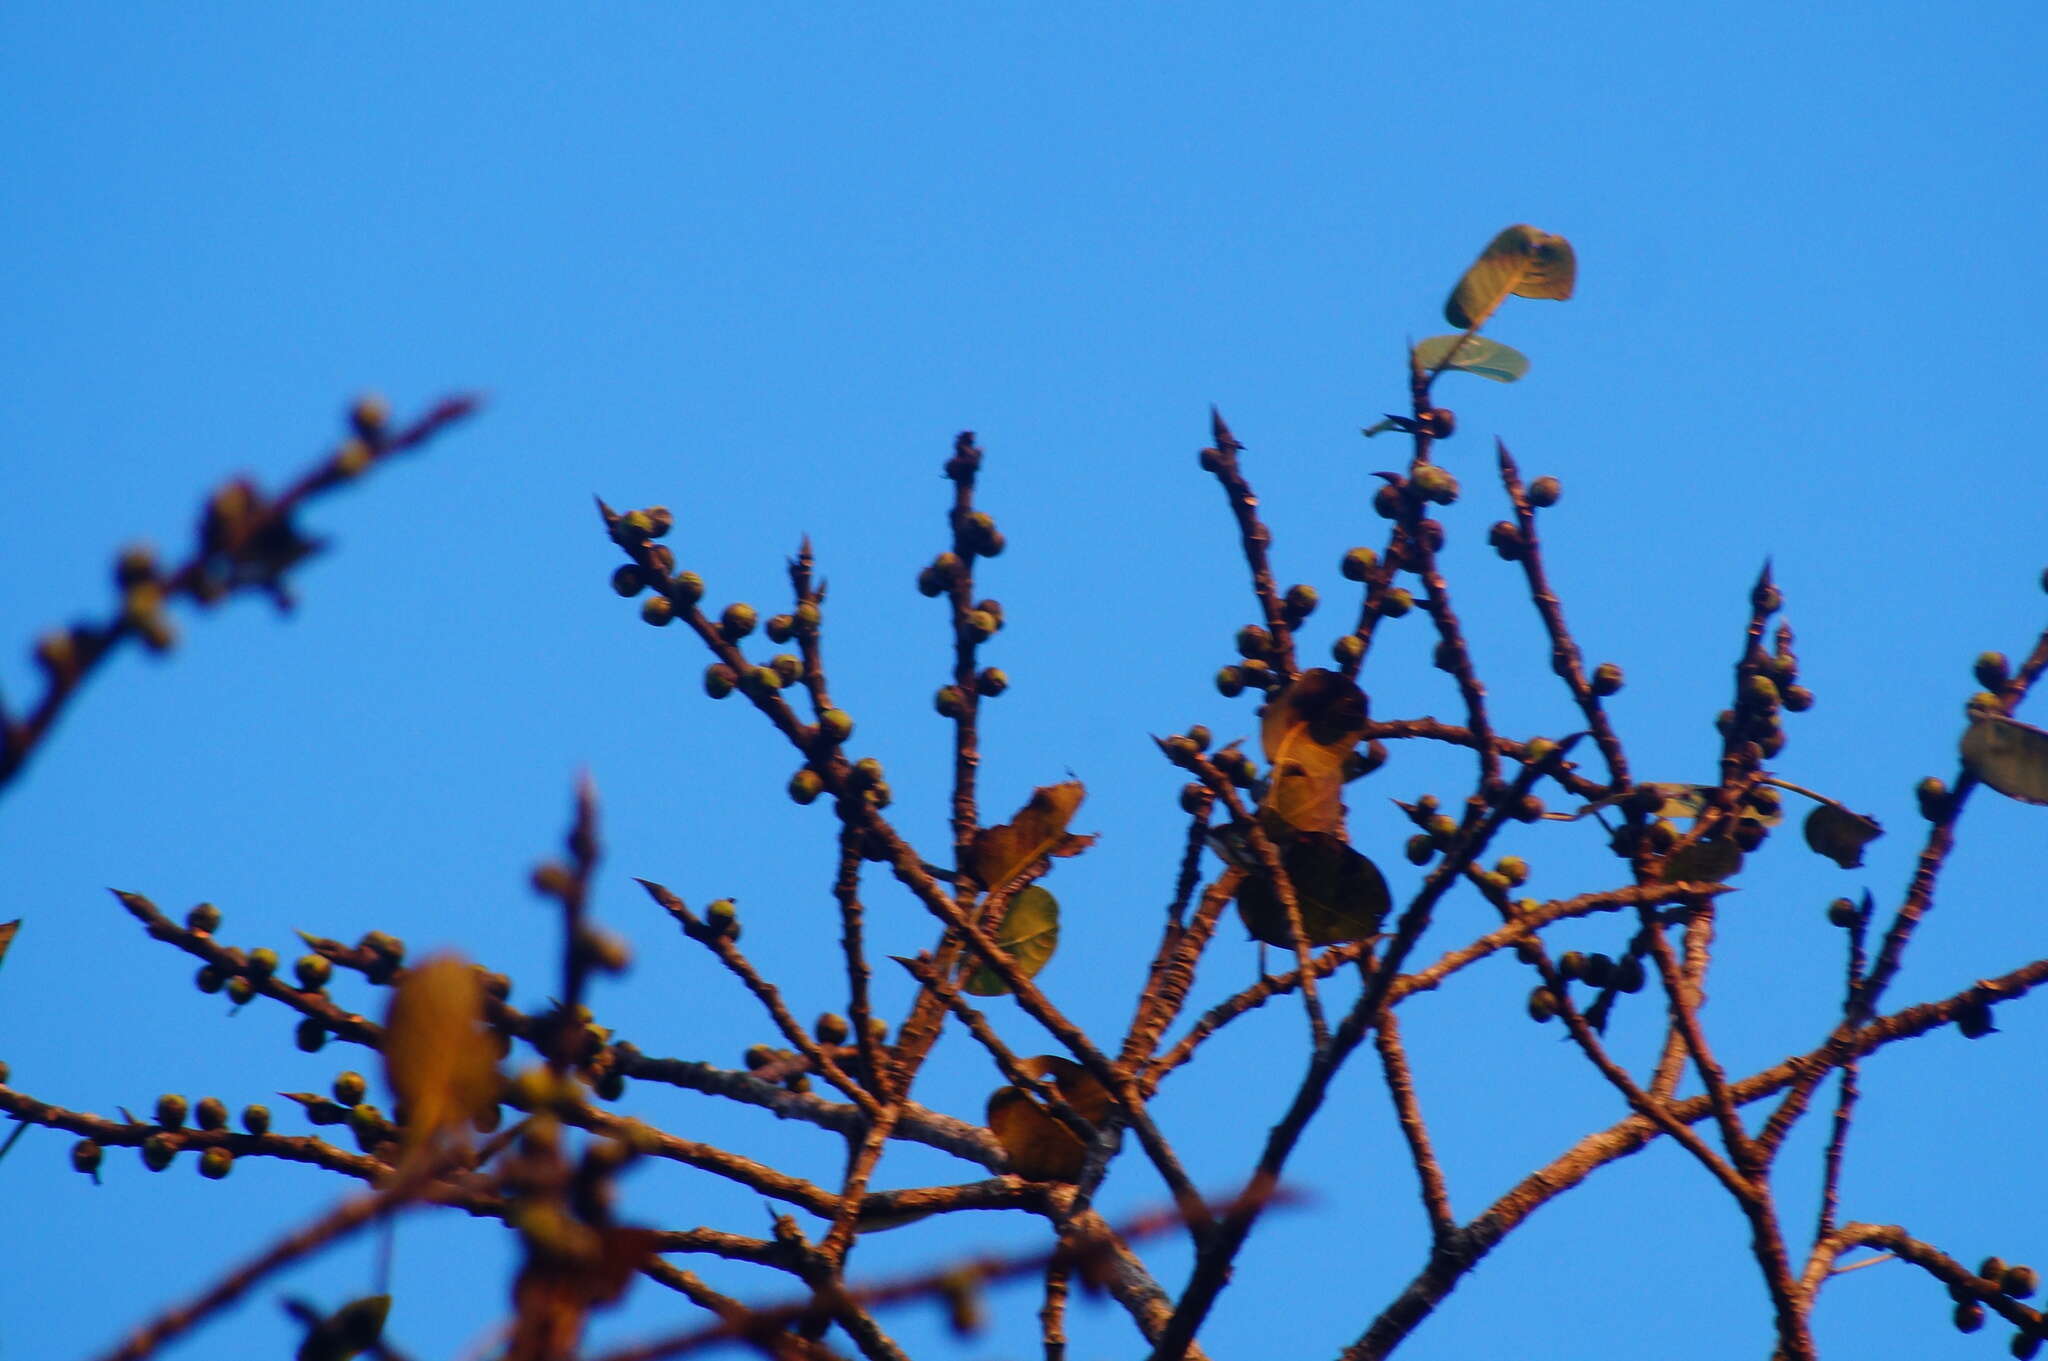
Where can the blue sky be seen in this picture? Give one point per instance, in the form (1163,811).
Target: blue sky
(760,263)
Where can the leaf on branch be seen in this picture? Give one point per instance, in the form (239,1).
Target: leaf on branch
(1030,933)
(1307,732)
(1477,355)
(1340,894)
(1039,830)
(2009,756)
(439,1058)
(347,1332)
(1521,262)
(1840,835)
(1712,860)
(1039,1146)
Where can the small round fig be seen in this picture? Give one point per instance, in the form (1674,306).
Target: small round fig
(1387,502)
(722,918)
(687,589)
(992,682)
(780,628)
(86,1157)
(1348,649)
(806,785)
(835,726)
(737,621)
(1606,679)
(313,971)
(1843,913)
(204,918)
(310,1035)
(1544,491)
(1934,799)
(628,582)
(216,1163)
(1542,1005)
(256,1119)
(1395,603)
(211,1113)
(350,1088)
(657,610)
(1230,682)
(1435,484)
(1358,564)
(171,1110)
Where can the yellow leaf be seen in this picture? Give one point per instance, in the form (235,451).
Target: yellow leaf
(439,1058)
(1307,732)
(1520,262)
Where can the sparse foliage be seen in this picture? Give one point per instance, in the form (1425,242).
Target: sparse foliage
(525,1117)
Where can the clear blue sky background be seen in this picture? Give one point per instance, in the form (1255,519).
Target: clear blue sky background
(760,263)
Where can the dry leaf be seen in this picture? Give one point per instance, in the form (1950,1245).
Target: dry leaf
(1040,829)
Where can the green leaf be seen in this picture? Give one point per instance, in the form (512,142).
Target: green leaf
(1002,853)
(1520,262)
(2009,756)
(1341,895)
(1478,355)
(1030,932)
(1308,730)
(1840,835)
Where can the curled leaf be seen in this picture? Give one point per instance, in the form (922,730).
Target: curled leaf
(1002,853)
(1340,894)
(1030,932)
(1039,1146)
(439,1058)
(1521,262)
(2009,756)
(1840,835)
(1476,355)
(1307,732)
